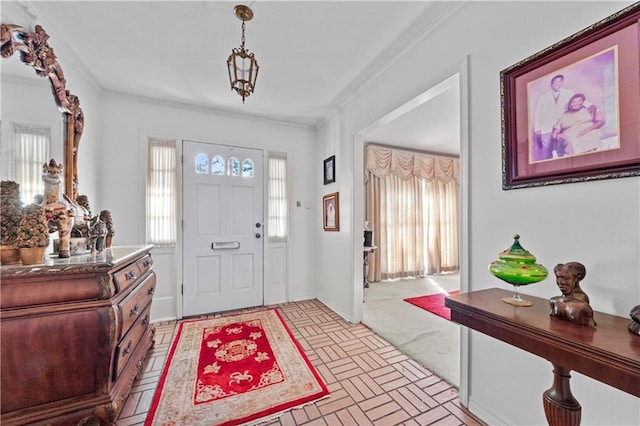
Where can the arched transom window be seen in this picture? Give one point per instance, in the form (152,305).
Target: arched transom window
(221,166)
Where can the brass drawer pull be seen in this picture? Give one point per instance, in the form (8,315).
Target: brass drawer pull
(127,349)
(146,263)
(130,275)
(134,311)
(150,291)
(145,321)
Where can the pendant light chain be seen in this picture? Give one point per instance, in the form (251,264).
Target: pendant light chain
(242,64)
(242,39)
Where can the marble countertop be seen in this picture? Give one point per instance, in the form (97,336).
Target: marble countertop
(77,263)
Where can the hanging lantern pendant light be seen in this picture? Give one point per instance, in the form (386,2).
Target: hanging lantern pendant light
(242,64)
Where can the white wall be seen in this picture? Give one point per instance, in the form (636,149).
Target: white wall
(596,223)
(127,122)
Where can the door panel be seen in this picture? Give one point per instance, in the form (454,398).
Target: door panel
(223,242)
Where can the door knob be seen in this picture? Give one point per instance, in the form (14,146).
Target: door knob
(258,235)
(258,225)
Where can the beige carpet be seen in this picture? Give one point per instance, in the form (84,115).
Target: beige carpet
(429,339)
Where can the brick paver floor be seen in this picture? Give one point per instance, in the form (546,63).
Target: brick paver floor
(371,382)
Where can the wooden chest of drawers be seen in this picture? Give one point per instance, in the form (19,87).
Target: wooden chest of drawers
(73,336)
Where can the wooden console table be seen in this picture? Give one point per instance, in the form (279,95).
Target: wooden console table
(608,353)
(73,336)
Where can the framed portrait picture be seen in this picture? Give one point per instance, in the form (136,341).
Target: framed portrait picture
(330,170)
(571,112)
(331,212)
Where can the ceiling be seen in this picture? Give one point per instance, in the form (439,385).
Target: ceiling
(313,56)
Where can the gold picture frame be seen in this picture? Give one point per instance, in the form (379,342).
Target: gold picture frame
(331,212)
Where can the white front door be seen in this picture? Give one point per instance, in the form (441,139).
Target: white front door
(222,229)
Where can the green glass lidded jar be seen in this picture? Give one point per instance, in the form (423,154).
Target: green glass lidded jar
(517,266)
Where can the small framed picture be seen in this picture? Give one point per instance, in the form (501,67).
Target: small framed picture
(330,170)
(331,212)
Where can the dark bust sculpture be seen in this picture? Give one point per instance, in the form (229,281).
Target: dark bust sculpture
(573,304)
(634,324)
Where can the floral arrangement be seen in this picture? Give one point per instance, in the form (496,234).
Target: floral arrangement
(10,211)
(34,228)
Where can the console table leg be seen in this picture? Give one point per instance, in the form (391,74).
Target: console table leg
(560,407)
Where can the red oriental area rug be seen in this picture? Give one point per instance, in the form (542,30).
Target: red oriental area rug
(433,303)
(233,370)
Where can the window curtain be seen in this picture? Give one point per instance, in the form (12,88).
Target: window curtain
(412,209)
(161,193)
(278,202)
(31,153)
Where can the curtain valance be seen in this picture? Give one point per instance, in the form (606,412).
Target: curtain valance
(382,162)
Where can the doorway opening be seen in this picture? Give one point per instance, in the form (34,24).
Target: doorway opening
(439,345)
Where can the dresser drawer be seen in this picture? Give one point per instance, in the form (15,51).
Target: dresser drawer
(127,276)
(70,346)
(134,304)
(127,346)
(144,264)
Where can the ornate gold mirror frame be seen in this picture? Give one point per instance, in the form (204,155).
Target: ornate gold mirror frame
(35,52)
